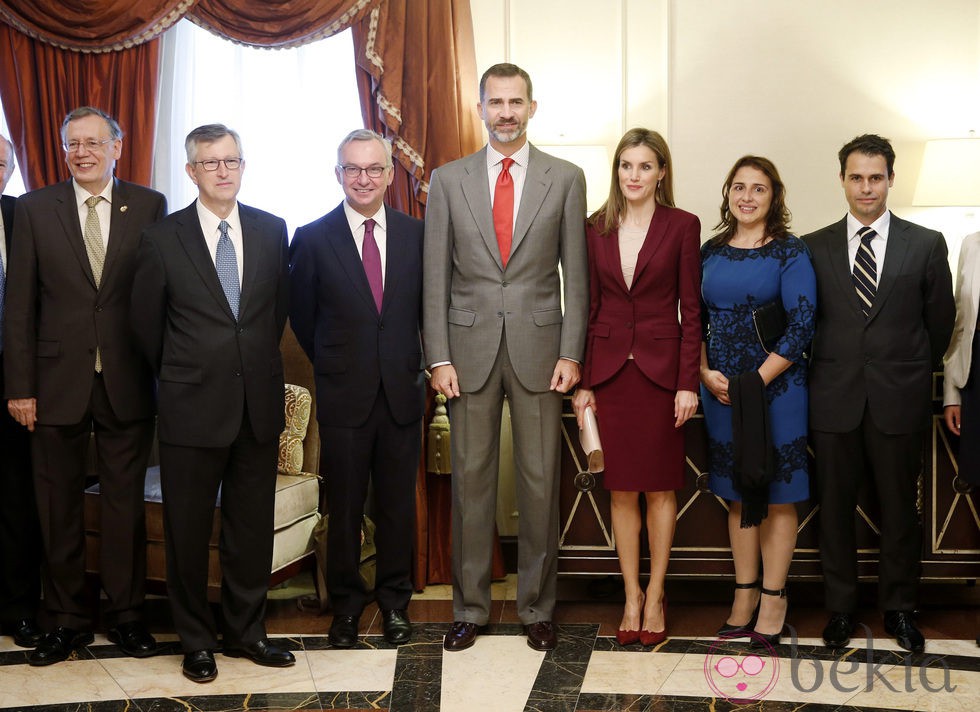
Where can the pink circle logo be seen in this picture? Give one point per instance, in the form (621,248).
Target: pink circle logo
(741,674)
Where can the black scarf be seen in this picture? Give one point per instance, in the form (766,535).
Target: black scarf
(754,464)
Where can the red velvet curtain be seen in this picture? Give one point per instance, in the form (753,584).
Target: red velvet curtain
(416,74)
(40,83)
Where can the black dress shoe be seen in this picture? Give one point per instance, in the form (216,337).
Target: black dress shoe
(899,625)
(543,635)
(838,631)
(461,635)
(199,666)
(134,639)
(262,652)
(343,631)
(26,632)
(396,626)
(58,645)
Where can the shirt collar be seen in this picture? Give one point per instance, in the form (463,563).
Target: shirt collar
(520,156)
(81,195)
(210,221)
(880,225)
(355,219)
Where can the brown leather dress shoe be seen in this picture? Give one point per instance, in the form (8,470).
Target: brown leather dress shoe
(461,635)
(542,635)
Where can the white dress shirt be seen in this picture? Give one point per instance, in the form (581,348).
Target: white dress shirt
(103,209)
(878,242)
(356,222)
(518,172)
(209,226)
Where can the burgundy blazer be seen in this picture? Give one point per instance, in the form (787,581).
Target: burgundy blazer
(643,319)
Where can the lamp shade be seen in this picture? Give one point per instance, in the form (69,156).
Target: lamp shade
(950,174)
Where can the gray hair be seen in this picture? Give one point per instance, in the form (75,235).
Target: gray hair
(366,135)
(209,133)
(115,133)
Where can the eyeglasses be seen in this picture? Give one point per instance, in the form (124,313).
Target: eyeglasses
(210,165)
(355,171)
(90,145)
(751,665)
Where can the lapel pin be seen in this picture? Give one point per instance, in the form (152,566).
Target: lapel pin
(123,208)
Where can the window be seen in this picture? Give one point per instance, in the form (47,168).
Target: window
(290,107)
(16,185)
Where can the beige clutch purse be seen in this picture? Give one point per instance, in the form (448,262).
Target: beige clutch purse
(588,437)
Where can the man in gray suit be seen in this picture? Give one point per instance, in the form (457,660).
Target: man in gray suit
(498,224)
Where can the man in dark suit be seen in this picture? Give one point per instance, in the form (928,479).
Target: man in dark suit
(356,296)
(209,306)
(72,368)
(20,535)
(884,320)
(498,225)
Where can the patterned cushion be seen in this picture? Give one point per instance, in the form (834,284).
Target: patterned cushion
(298,403)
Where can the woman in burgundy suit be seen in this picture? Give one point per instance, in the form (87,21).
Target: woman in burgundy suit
(641,363)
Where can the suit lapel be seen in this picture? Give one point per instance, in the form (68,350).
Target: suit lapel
(341,240)
(537,183)
(118,220)
(67,213)
(651,243)
(476,191)
(897,247)
(253,248)
(396,255)
(841,266)
(192,240)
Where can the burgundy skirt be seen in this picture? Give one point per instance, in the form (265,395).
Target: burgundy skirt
(643,450)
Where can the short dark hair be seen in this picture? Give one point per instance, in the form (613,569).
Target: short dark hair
(779,216)
(505,69)
(209,133)
(115,132)
(869,145)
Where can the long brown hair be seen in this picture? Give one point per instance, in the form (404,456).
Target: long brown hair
(777,221)
(607,218)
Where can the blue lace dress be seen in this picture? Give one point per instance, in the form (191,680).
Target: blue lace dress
(734,281)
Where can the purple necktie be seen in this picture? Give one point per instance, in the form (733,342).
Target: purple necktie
(371,256)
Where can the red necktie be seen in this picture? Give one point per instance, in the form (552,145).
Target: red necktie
(371,257)
(503,209)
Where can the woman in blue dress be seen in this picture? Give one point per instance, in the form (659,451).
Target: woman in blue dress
(751,262)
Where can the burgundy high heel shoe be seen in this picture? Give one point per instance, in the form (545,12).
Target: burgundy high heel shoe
(629,637)
(655,637)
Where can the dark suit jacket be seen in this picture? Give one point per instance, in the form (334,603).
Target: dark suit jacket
(208,364)
(885,360)
(7,203)
(642,319)
(56,316)
(354,350)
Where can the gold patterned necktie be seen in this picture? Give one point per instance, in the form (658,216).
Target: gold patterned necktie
(93,239)
(96,254)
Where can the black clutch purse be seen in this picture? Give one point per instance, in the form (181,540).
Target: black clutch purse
(769,321)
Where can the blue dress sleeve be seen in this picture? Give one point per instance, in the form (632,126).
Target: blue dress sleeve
(798,290)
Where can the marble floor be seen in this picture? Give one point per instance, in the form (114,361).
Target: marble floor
(589,670)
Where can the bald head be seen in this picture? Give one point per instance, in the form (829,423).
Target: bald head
(6,161)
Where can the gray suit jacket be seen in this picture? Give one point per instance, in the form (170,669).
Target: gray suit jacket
(469,298)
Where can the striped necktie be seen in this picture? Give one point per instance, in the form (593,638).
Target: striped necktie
(865,274)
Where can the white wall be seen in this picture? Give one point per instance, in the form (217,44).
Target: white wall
(786,79)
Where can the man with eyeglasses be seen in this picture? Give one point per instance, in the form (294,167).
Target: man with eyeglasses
(20,536)
(72,368)
(209,307)
(356,295)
